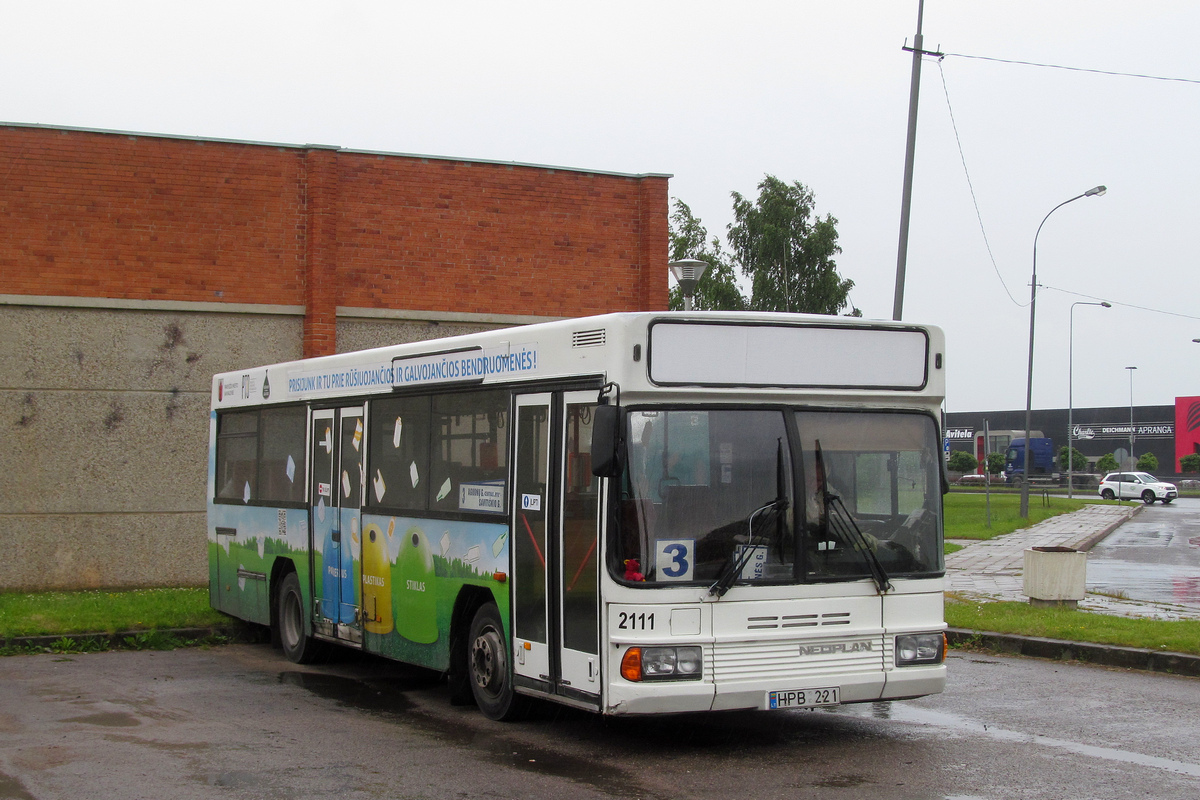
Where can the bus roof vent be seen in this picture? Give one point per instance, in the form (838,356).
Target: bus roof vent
(593,338)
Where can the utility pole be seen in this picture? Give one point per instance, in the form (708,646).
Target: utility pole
(909,152)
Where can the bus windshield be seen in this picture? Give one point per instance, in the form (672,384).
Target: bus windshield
(778,500)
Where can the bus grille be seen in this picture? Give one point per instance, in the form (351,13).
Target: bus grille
(790,659)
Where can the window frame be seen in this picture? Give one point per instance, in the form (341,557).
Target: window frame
(301,464)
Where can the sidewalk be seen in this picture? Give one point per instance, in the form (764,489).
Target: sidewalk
(991,570)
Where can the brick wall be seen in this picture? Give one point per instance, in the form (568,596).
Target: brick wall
(114,215)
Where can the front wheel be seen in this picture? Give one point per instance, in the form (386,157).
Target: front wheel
(1148,497)
(297,645)
(1107,494)
(489,670)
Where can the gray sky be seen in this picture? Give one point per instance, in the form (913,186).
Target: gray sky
(719,94)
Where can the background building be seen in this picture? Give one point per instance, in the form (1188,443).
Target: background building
(1169,432)
(135,266)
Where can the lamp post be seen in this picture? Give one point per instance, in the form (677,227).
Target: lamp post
(1071,395)
(688,272)
(1096,191)
(1131,369)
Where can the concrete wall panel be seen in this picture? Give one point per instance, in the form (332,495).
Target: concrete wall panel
(90,551)
(105,447)
(82,349)
(364,334)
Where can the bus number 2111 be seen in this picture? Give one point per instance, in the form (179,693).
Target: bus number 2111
(633,621)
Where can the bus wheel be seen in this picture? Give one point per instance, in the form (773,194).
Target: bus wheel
(488,668)
(298,647)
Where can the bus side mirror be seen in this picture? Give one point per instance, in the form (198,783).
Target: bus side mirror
(606,441)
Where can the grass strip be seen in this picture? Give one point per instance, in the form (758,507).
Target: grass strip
(1178,636)
(147,640)
(55,613)
(966,513)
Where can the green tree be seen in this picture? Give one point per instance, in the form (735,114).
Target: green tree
(995,463)
(1079,459)
(1147,462)
(1107,463)
(787,251)
(1190,463)
(717,290)
(962,461)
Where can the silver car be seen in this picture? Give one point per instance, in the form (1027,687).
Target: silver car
(1137,485)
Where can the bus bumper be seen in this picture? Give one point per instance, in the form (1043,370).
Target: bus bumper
(683,697)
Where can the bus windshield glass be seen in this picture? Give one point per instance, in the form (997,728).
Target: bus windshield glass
(708,491)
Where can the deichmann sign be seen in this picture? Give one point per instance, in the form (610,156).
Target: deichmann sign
(1146,430)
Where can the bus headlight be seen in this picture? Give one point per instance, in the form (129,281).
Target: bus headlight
(662,664)
(920,648)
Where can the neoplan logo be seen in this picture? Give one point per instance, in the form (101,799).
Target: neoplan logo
(835,648)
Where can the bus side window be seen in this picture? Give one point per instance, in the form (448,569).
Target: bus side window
(398,454)
(237,452)
(469,444)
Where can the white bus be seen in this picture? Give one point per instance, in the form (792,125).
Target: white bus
(633,513)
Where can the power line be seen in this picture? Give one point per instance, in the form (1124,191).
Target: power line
(971,186)
(1119,303)
(1074,69)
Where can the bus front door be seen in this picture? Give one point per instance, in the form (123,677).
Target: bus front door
(555,608)
(336,501)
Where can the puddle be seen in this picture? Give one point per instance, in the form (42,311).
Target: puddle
(111,719)
(13,789)
(347,691)
(1153,558)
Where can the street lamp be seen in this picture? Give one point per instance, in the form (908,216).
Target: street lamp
(1131,369)
(1094,191)
(1071,395)
(687,274)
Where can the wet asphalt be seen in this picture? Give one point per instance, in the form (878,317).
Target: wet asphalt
(1154,557)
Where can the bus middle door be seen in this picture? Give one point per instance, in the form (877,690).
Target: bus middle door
(336,502)
(555,608)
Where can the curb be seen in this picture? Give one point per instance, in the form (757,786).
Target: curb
(1062,650)
(1094,539)
(240,633)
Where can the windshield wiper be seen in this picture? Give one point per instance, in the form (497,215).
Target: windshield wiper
(837,518)
(734,565)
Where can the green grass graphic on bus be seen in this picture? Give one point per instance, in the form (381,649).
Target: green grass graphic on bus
(410,571)
(415,572)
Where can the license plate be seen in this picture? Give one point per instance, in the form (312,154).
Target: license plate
(804,698)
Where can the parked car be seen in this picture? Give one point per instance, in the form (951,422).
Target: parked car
(1135,485)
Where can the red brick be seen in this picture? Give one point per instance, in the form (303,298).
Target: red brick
(130,216)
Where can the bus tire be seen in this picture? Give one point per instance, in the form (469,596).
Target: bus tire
(298,647)
(488,668)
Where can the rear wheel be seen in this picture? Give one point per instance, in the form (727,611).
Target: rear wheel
(1107,494)
(1148,497)
(489,670)
(1166,501)
(297,646)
